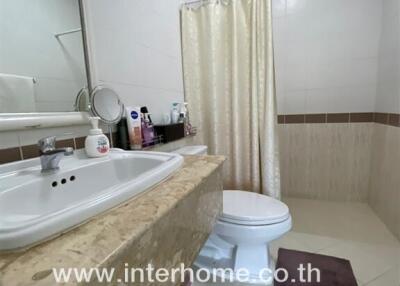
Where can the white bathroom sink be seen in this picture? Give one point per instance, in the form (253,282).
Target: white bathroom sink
(35,205)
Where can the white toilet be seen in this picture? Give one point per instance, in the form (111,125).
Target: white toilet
(241,236)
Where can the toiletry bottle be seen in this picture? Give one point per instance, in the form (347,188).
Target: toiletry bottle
(181,118)
(148,131)
(123,138)
(134,127)
(145,110)
(184,108)
(182,113)
(174,113)
(96,143)
(143,128)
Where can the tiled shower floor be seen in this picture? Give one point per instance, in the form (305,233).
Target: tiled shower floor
(346,230)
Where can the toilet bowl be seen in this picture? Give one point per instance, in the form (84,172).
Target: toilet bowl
(241,236)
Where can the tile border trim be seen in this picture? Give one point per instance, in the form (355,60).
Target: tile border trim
(392,119)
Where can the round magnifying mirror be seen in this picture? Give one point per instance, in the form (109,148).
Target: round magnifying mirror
(105,103)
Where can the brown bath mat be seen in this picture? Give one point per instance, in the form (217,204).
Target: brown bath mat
(333,271)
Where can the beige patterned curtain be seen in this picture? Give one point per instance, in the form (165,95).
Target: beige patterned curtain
(229,84)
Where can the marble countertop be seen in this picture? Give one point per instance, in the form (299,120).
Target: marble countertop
(107,235)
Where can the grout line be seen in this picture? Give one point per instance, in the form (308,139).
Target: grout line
(21,154)
(73,138)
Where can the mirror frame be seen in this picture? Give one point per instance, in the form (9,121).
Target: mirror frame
(20,121)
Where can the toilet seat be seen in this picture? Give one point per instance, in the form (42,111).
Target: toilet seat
(252,209)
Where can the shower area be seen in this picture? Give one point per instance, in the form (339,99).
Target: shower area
(338,91)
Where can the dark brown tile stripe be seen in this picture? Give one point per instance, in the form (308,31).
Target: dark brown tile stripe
(382,118)
(362,117)
(9,155)
(315,118)
(80,142)
(392,119)
(338,117)
(65,143)
(30,151)
(295,118)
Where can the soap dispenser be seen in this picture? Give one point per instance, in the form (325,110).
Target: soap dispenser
(96,143)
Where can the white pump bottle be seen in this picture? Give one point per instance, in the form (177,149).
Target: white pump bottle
(96,143)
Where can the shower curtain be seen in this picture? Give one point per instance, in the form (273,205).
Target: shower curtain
(229,85)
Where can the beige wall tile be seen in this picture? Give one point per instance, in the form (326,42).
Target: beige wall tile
(326,161)
(344,162)
(359,160)
(293,159)
(384,194)
(317,160)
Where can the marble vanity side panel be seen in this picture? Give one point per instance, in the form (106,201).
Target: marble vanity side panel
(384,194)
(177,237)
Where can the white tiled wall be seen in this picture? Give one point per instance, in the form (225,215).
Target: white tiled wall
(326,54)
(388,95)
(136,50)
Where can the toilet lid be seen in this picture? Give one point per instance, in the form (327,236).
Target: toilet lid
(249,208)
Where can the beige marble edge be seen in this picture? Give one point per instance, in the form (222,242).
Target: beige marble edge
(105,237)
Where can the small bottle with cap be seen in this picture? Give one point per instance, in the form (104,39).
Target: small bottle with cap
(96,143)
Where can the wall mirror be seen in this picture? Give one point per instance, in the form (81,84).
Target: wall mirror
(43,62)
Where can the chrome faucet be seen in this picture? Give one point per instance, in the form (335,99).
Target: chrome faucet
(50,156)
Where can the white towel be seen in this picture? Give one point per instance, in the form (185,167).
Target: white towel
(17,94)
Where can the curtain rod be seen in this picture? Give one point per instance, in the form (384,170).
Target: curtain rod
(195,2)
(203,2)
(68,32)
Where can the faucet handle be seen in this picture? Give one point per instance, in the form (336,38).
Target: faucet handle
(47,144)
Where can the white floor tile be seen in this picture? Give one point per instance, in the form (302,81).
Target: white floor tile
(340,220)
(389,278)
(289,241)
(368,261)
(347,230)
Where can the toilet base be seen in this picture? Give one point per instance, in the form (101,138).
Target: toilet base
(232,248)
(211,264)
(223,259)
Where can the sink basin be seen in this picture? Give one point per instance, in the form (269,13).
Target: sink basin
(35,205)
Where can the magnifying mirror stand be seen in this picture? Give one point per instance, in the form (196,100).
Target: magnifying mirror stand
(110,132)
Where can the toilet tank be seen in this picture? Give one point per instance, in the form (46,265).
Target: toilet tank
(192,150)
